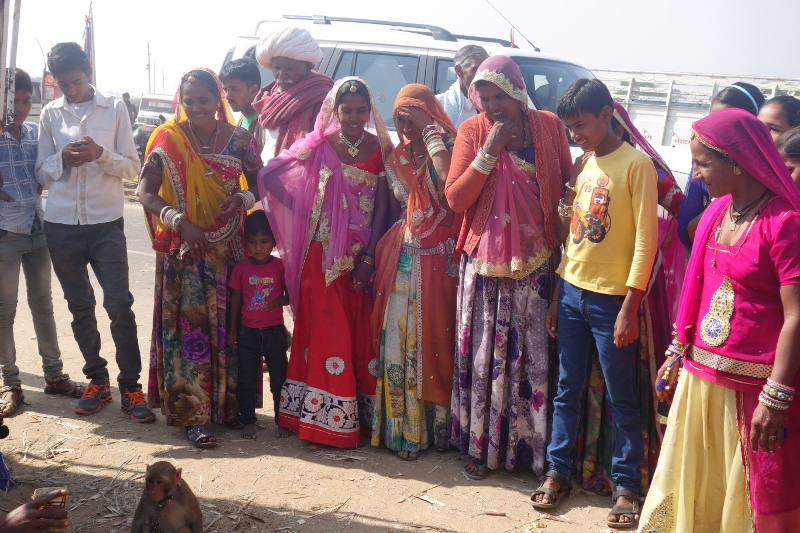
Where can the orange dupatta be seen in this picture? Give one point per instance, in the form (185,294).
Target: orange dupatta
(426,207)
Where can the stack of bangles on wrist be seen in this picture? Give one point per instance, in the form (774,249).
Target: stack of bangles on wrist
(170,217)
(368,259)
(433,140)
(776,395)
(483,162)
(676,349)
(248,200)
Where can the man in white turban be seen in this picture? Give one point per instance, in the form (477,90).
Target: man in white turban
(288,106)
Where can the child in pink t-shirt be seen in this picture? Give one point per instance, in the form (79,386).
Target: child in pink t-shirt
(256,320)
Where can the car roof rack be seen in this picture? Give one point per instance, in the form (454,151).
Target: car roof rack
(437,32)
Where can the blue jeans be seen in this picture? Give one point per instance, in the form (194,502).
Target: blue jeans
(29,253)
(103,246)
(583,314)
(255,343)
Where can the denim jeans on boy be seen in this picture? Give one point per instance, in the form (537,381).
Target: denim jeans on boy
(28,252)
(255,343)
(583,314)
(103,246)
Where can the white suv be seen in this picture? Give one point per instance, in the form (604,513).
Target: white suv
(389,55)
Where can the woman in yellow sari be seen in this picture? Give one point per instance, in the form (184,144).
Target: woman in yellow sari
(191,188)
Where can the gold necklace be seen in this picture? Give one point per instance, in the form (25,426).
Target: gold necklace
(353,148)
(205,146)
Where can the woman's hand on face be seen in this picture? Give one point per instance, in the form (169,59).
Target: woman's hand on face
(230,206)
(416,116)
(194,238)
(668,391)
(767,429)
(502,132)
(362,275)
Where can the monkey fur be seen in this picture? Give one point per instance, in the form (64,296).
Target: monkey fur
(167,505)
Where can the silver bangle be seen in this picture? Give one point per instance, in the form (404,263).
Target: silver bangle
(248,200)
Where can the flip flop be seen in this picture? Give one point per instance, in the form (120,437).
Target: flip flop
(628,512)
(408,457)
(200,437)
(13,403)
(477,477)
(51,387)
(555,496)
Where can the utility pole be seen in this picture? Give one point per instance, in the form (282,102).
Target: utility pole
(149,87)
(8,56)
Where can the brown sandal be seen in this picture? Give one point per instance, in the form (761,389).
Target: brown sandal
(9,404)
(51,386)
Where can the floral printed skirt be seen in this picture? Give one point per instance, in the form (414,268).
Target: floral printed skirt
(500,386)
(330,383)
(415,372)
(192,375)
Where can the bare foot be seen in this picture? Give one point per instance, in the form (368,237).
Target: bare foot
(282,433)
(249,431)
(475,469)
(549,483)
(625,503)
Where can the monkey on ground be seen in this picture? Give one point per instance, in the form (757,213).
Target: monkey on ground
(167,505)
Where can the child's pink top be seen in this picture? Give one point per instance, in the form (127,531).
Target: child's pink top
(751,273)
(258,284)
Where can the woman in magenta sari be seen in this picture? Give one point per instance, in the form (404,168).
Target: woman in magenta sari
(724,465)
(326,198)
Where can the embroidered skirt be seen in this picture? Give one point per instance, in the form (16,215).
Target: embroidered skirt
(500,386)
(330,382)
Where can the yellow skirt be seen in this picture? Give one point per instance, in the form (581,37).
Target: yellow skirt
(699,484)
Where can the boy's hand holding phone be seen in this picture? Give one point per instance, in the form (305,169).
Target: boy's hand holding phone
(81,151)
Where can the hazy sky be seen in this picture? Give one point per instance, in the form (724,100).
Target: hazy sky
(701,36)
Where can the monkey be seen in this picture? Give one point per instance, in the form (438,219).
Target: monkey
(167,505)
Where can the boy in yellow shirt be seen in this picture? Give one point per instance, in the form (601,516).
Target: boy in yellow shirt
(612,238)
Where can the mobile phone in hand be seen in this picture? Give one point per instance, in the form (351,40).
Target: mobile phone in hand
(80,142)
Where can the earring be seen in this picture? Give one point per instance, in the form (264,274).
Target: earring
(737,170)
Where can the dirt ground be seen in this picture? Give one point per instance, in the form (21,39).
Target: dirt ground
(271,484)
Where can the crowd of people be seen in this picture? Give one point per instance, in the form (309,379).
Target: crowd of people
(472,287)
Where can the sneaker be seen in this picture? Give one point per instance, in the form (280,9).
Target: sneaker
(134,403)
(93,399)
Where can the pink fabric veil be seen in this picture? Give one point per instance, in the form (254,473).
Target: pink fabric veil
(746,140)
(513,243)
(671,255)
(305,180)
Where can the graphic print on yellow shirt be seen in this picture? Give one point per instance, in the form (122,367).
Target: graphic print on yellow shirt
(614,228)
(592,222)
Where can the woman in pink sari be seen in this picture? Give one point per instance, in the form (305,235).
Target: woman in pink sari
(723,463)
(326,199)
(507,174)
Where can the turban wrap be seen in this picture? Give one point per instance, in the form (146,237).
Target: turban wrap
(294,42)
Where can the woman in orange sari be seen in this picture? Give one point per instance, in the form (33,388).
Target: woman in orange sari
(190,187)
(415,283)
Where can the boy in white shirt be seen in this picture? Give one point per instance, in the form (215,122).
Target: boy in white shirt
(86,149)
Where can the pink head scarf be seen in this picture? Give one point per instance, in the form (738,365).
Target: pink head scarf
(503,72)
(743,138)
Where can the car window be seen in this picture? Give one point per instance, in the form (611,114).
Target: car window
(385,74)
(547,80)
(156,106)
(445,75)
